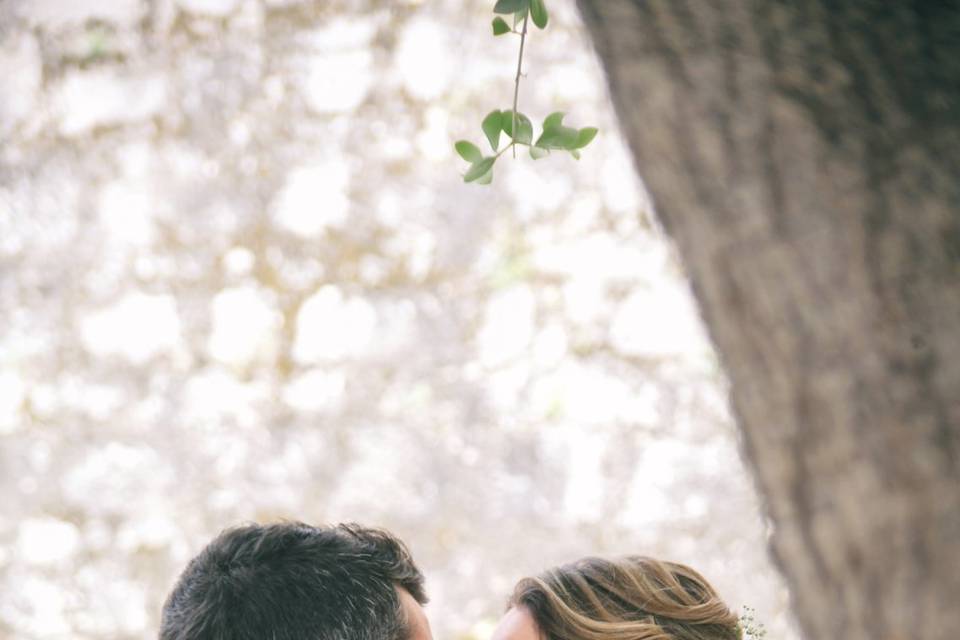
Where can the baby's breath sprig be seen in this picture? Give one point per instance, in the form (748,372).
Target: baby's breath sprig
(750,626)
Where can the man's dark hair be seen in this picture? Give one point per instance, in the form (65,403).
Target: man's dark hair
(292,581)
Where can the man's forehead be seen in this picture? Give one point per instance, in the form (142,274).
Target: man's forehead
(416,618)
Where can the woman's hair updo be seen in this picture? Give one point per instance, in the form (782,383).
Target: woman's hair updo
(631,598)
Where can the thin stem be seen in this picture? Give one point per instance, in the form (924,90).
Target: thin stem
(516,84)
(513,145)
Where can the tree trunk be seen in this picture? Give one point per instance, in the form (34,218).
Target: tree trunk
(805,157)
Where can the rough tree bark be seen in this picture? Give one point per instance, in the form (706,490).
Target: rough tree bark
(805,157)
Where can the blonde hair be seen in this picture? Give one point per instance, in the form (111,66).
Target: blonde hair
(631,598)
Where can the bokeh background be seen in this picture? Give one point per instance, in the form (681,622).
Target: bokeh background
(241,279)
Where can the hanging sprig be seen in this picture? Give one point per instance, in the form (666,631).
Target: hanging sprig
(554,134)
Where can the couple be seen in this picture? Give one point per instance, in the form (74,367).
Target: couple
(292,581)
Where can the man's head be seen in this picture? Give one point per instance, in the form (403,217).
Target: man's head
(292,581)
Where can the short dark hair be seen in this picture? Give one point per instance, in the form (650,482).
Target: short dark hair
(293,581)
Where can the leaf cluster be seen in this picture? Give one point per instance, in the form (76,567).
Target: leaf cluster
(519,9)
(554,134)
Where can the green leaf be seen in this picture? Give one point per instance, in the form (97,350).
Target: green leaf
(486,178)
(559,137)
(585,136)
(524,127)
(478,169)
(553,120)
(538,11)
(468,151)
(491,128)
(575,154)
(510,6)
(538,152)
(500,26)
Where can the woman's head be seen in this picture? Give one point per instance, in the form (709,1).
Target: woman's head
(632,598)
